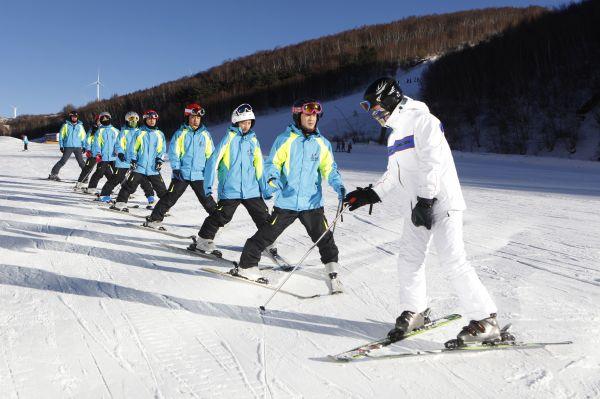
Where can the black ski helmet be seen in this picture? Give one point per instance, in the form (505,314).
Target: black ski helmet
(385,92)
(296,110)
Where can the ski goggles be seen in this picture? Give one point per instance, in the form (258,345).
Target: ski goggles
(313,108)
(74,113)
(242,109)
(151,114)
(196,111)
(366,105)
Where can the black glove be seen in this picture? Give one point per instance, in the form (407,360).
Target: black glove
(158,164)
(422,213)
(360,197)
(177,174)
(83,150)
(62,150)
(133,164)
(121,157)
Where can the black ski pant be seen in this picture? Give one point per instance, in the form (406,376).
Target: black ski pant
(105,169)
(134,180)
(65,157)
(256,207)
(176,190)
(313,220)
(25,147)
(119,178)
(87,170)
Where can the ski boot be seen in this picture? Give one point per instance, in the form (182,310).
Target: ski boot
(119,206)
(272,249)
(206,245)
(151,202)
(333,281)
(153,223)
(78,186)
(53,177)
(249,273)
(105,199)
(480,332)
(407,322)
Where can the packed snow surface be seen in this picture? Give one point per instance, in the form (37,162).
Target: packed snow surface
(92,306)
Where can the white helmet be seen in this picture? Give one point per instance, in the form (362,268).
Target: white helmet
(243,113)
(132,114)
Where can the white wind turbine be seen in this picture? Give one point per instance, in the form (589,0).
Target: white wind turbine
(98,84)
(14,107)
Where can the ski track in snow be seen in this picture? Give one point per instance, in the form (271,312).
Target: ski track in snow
(92,306)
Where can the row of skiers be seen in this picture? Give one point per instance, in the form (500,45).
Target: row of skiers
(420,166)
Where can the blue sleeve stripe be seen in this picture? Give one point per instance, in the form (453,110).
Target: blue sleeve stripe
(401,145)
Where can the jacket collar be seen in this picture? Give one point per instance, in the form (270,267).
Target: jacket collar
(201,128)
(405,108)
(294,129)
(238,131)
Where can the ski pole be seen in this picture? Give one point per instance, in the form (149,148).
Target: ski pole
(262,308)
(338,211)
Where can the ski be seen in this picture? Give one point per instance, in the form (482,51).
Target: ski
(461,349)
(211,256)
(365,349)
(282,263)
(253,282)
(164,231)
(125,213)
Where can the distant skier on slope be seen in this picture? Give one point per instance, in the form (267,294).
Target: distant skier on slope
(146,161)
(421,165)
(238,162)
(190,147)
(103,151)
(123,149)
(25,143)
(300,160)
(70,141)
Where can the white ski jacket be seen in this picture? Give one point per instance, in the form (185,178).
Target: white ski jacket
(420,163)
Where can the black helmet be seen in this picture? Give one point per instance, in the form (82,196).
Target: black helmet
(73,113)
(385,92)
(308,106)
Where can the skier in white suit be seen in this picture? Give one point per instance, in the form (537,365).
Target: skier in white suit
(420,164)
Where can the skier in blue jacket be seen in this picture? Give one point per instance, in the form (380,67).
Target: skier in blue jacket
(147,157)
(123,150)
(300,160)
(238,163)
(190,147)
(70,141)
(25,143)
(103,150)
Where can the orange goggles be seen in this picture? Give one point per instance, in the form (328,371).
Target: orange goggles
(313,108)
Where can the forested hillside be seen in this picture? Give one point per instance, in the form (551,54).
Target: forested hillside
(326,68)
(527,91)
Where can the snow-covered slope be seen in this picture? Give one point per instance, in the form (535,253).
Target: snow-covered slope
(342,116)
(91,306)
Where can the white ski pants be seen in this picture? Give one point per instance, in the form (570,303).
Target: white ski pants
(447,236)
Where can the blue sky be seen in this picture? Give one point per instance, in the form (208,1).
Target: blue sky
(50,50)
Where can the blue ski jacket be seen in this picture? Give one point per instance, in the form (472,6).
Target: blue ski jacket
(238,162)
(104,143)
(296,167)
(148,146)
(71,135)
(189,150)
(124,145)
